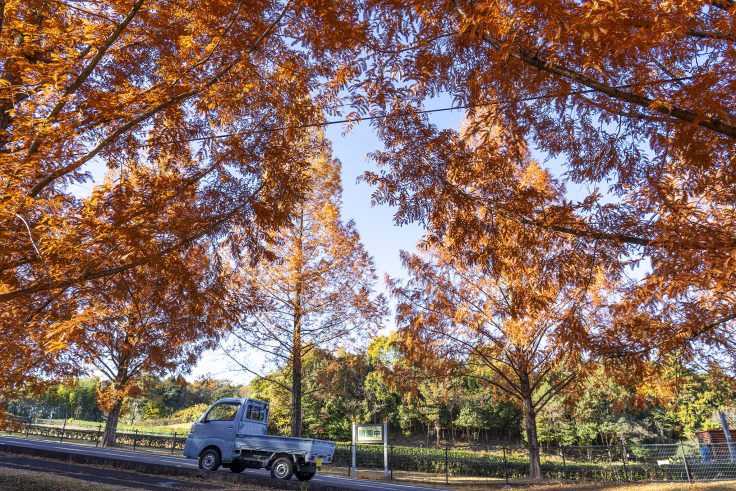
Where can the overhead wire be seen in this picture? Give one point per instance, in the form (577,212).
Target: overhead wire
(417,111)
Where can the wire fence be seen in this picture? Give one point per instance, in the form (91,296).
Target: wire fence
(676,462)
(90,434)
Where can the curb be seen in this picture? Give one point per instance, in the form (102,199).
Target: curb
(161,469)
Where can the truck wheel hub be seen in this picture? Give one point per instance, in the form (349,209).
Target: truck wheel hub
(281,469)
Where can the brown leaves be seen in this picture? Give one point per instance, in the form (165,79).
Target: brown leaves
(631,99)
(146,88)
(524,316)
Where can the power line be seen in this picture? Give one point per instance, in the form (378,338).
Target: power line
(418,111)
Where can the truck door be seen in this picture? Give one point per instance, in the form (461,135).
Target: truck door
(254,418)
(219,425)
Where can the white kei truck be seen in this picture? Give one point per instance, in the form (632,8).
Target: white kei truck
(232,433)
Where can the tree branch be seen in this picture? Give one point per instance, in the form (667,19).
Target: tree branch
(568,74)
(89,275)
(43,183)
(87,70)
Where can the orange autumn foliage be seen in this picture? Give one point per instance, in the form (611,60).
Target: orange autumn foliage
(635,99)
(522,322)
(195,101)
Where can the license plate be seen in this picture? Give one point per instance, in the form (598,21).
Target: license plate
(319,462)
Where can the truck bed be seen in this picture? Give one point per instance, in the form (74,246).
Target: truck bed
(274,444)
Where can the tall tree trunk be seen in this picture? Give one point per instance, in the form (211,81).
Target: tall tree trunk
(530,425)
(119,383)
(296,385)
(296,348)
(111,425)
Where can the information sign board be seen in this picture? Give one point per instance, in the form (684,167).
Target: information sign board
(370,433)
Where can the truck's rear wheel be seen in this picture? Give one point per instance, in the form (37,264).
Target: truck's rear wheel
(282,468)
(209,460)
(304,476)
(237,467)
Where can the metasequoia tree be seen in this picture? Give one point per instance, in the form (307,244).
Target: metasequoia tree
(203,93)
(154,319)
(635,99)
(521,322)
(141,323)
(318,291)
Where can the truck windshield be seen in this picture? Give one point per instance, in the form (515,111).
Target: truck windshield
(223,412)
(255,413)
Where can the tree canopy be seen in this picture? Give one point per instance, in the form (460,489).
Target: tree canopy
(197,110)
(635,100)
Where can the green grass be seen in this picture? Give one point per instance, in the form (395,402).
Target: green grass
(166,429)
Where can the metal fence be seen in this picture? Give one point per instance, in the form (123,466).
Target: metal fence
(136,440)
(676,462)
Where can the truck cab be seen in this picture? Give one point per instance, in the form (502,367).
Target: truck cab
(232,433)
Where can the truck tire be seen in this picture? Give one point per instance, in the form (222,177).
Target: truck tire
(282,468)
(237,467)
(304,475)
(210,460)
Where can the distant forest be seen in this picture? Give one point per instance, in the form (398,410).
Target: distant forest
(425,410)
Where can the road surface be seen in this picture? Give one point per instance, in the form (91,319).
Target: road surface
(180,462)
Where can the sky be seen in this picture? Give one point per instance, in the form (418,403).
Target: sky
(382,239)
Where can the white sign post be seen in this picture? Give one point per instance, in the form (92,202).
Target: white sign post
(727,434)
(373,433)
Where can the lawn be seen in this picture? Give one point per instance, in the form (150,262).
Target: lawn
(168,429)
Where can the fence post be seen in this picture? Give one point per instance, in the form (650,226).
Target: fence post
(505,467)
(564,462)
(385,449)
(354,450)
(447,470)
(391,462)
(63,429)
(97,437)
(684,461)
(173,444)
(624,458)
(28,426)
(727,434)
(135,439)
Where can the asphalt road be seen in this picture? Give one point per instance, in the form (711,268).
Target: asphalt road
(180,462)
(107,475)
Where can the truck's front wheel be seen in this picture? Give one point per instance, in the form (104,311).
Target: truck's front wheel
(209,460)
(304,476)
(282,468)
